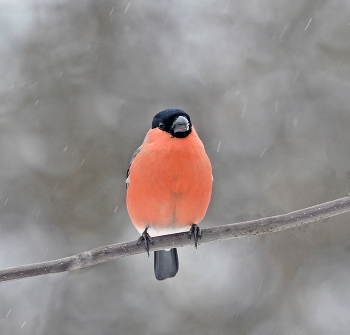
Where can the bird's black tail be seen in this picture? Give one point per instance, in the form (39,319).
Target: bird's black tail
(166,263)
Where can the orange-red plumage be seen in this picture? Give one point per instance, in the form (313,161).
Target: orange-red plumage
(170,182)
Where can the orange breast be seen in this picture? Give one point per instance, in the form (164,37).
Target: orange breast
(170,182)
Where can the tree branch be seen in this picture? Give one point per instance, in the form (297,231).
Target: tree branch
(224,232)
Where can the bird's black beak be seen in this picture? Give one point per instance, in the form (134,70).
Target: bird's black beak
(180,125)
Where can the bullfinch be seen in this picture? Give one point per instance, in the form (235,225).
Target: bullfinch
(169,185)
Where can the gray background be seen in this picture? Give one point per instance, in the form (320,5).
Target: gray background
(80,82)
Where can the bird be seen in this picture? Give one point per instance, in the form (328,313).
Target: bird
(169,185)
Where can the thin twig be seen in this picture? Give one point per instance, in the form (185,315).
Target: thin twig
(225,232)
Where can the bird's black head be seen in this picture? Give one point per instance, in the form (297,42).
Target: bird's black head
(174,121)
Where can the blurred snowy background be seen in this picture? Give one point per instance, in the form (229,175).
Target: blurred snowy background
(267,86)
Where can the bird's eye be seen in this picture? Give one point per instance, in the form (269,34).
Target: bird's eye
(161,125)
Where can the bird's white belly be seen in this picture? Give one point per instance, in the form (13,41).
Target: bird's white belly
(165,231)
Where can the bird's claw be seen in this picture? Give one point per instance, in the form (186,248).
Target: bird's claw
(196,232)
(146,239)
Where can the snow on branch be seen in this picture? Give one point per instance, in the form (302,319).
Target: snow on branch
(220,233)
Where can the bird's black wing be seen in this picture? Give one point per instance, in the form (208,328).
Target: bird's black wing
(127,180)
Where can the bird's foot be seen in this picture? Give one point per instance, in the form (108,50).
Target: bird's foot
(146,239)
(196,232)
